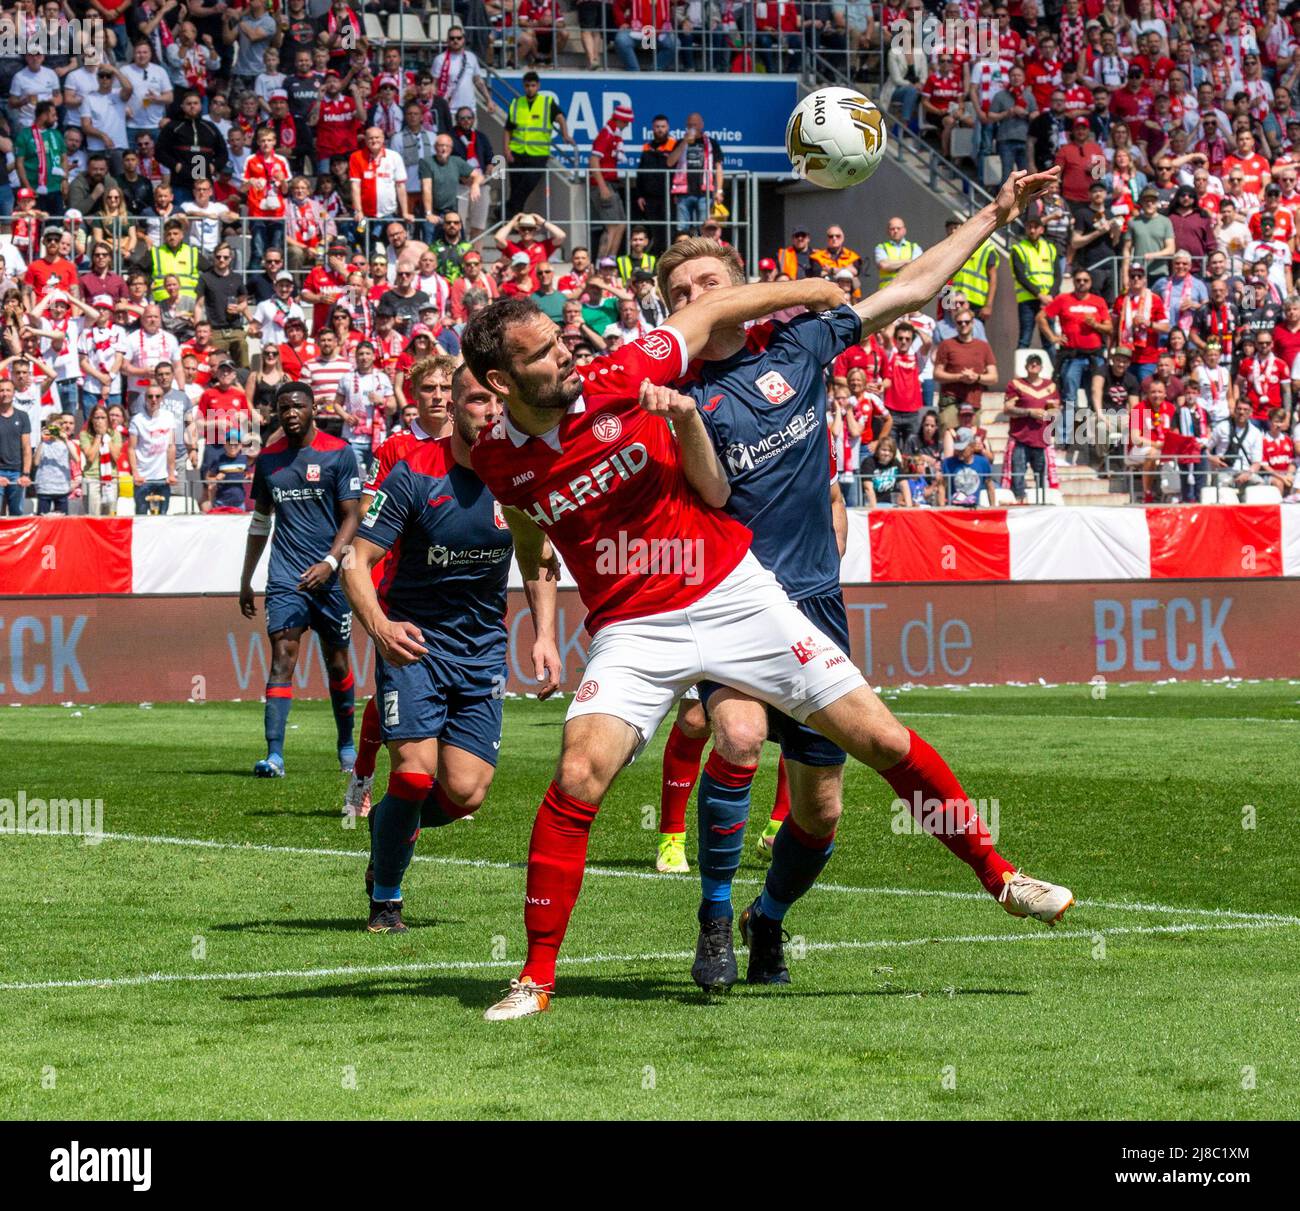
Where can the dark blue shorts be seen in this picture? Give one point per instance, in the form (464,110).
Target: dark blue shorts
(327,613)
(800,743)
(443,700)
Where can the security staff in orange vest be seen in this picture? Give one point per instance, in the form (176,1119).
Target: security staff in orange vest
(796,261)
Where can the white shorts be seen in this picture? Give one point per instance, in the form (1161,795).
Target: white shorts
(745,633)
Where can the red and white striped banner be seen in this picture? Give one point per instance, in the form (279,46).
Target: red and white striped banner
(58,556)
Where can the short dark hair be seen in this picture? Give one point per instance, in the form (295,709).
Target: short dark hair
(97,155)
(484,340)
(659,118)
(293,386)
(531,77)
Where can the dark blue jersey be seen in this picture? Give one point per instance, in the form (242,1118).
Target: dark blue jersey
(450,554)
(765,409)
(305,487)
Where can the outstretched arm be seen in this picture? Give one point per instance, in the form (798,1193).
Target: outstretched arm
(730,306)
(924,277)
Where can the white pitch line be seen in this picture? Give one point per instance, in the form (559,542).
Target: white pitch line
(315,973)
(607,873)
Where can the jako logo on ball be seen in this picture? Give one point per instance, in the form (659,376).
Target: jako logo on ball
(835,138)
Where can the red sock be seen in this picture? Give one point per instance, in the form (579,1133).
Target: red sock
(781,804)
(557,853)
(923,781)
(370,743)
(681,769)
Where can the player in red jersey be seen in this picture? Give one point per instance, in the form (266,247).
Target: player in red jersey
(583,456)
(431,385)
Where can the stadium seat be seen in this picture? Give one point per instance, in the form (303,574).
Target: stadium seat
(1263,494)
(1215,495)
(992,174)
(962,145)
(1003,496)
(406,27)
(439,25)
(1054,496)
(374,29)
(1022,354)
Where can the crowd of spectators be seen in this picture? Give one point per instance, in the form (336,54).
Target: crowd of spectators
(1160,279)
(206,199)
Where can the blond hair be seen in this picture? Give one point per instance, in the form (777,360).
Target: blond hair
(436,363)
(692,249)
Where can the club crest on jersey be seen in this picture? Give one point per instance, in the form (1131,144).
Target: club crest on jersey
(313,472)
(607,427)
(587,691)
(658,345)
(774,388)
(498,516)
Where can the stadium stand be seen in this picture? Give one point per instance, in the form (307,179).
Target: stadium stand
(190,188)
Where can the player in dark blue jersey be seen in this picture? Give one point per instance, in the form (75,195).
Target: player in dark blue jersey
(438,622)
(762,397)
(308,481)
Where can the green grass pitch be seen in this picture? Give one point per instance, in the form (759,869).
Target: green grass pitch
(153,976)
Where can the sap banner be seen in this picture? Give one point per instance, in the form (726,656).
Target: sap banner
(745,114)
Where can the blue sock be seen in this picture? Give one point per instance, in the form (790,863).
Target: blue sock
(343,700)
(394,830)
(723,808)
(797,859)
(279,698)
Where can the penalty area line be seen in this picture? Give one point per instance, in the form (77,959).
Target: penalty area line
(1228,914)
(318,973)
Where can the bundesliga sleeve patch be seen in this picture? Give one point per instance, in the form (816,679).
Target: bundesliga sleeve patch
(372,513)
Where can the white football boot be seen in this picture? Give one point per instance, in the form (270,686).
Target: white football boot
(522,1001)
(1025,897)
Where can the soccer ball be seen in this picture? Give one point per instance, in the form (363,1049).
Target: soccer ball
(835,138)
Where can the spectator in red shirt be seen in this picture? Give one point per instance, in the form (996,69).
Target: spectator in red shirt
(50,267)
(297,350)
(1140,321)
(1081,162)
(1264,381)
(606,199)
(326,283)
(520,234)
(1279,453)
(1286,335)
(903,382)
(520,282)
(1084,320)
(942,99)
(1133,102)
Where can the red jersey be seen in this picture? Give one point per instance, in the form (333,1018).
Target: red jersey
(608,148)
(1252,168)
(1283,226)
(266,177)
(943,91)
(43,275)
(1263,379)
(204,371)
(321,281)
(855,357)
(387,350)
(902,382)
(1279,453)
(607,487)
(224,403)
(1072,311)
(337,126)
(537,250)
(293,360)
